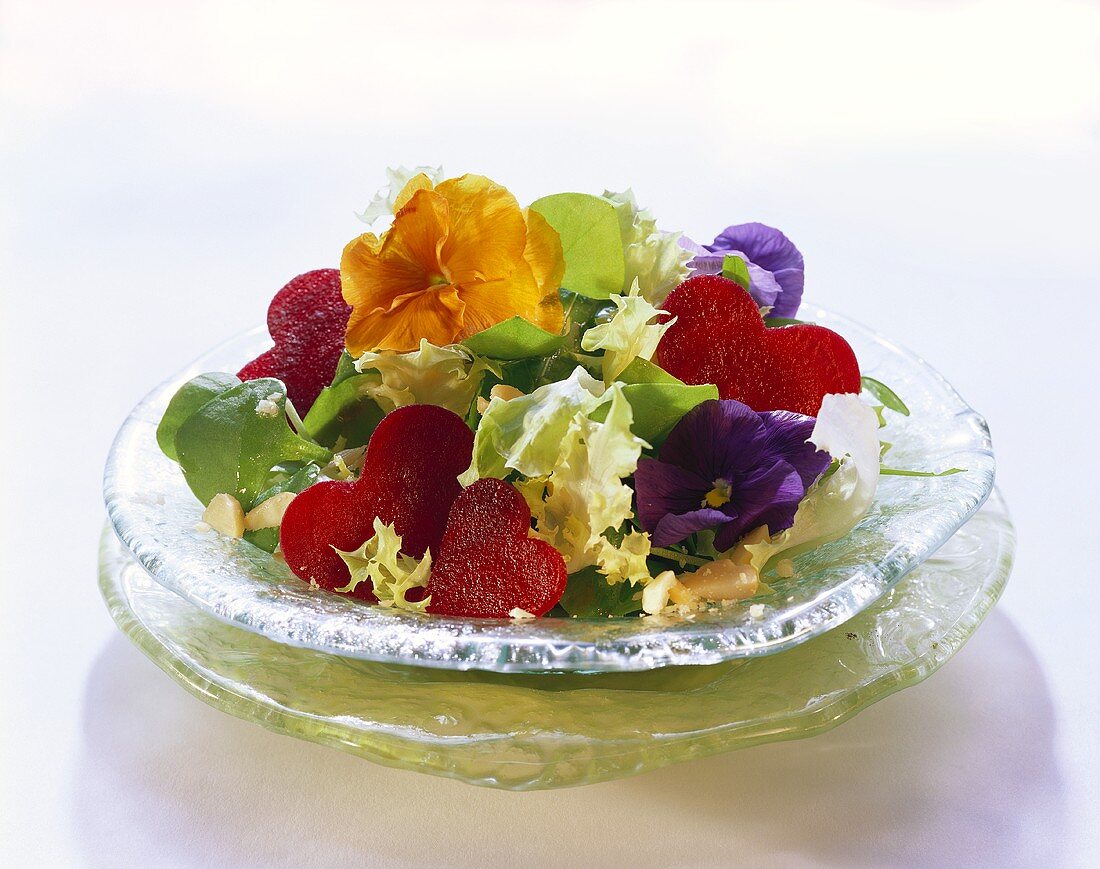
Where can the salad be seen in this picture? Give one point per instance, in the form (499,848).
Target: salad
(500,411)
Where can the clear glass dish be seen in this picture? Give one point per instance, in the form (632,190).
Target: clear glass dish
(155,514)
(528,731)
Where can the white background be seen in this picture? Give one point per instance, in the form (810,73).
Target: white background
(168,166)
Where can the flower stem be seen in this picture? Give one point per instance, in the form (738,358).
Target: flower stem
(681,558)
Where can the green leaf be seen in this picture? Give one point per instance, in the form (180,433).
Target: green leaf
(268,538)
(900,472)
(735,269)
(588,595)
(777,322)
(345,368)
(345,410)
(591,242)
(523,374)
(189,398)
(526,433)
(448,376)
(644,371)
(585,493)
(233,441)
(632,332)
(885,394)
(657,407)
(581,311)
(513,339)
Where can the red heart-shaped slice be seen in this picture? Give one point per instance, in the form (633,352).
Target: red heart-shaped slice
(488,565)
(409,479)
(307,320)
(719,337)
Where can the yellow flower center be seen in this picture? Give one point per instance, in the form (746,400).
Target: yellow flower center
(719,495)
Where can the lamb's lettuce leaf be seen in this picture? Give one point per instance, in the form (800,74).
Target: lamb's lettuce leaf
(232,442)
(189,398)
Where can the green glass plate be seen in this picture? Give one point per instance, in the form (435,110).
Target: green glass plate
(530,731)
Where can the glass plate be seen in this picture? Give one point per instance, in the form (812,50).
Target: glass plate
(154,514)
(526,731)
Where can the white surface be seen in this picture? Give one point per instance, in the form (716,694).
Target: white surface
(167,167)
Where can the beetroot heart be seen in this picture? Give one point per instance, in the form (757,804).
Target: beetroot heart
(409,479)
(488,565)
(719,337)
(307,320)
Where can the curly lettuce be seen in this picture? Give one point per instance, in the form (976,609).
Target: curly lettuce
(584,495)
(392,575)
(653,258)
(630,334)
(527,433)
(446,376)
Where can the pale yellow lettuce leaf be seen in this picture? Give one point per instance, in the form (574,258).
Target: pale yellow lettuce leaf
(392,574)
(527,433)
(625,561)
(446,376)
(585,492)
(653,258)
(630,334)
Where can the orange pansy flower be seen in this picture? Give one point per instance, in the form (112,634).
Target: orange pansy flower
(460,257)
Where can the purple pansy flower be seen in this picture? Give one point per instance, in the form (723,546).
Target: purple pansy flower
(725,466)
(777,272)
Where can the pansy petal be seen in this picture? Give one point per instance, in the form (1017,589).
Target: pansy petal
(763,287)
(544,254)
(672,528)
(373,273)
(793,282)
(663,489)
(715,439)
(419,234)
(764,245)
(488,233)
(787,434)
(517,295)
(768,497)
(419,181)
(435,315)
(768,250)
(369,281)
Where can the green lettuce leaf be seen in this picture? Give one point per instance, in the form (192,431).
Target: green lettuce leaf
(589,595)
(446,376)
(644,371)
(189,398)
(513,339)
(585,495)
(591,242)
(345,413)
(526,433)
(232,442)
(734,268)
(885,394)
(630,334)
(268,538)
(658,407)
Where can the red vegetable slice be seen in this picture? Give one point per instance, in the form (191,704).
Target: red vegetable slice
(307,320)
(719,337)
(409,478)
(488,564)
